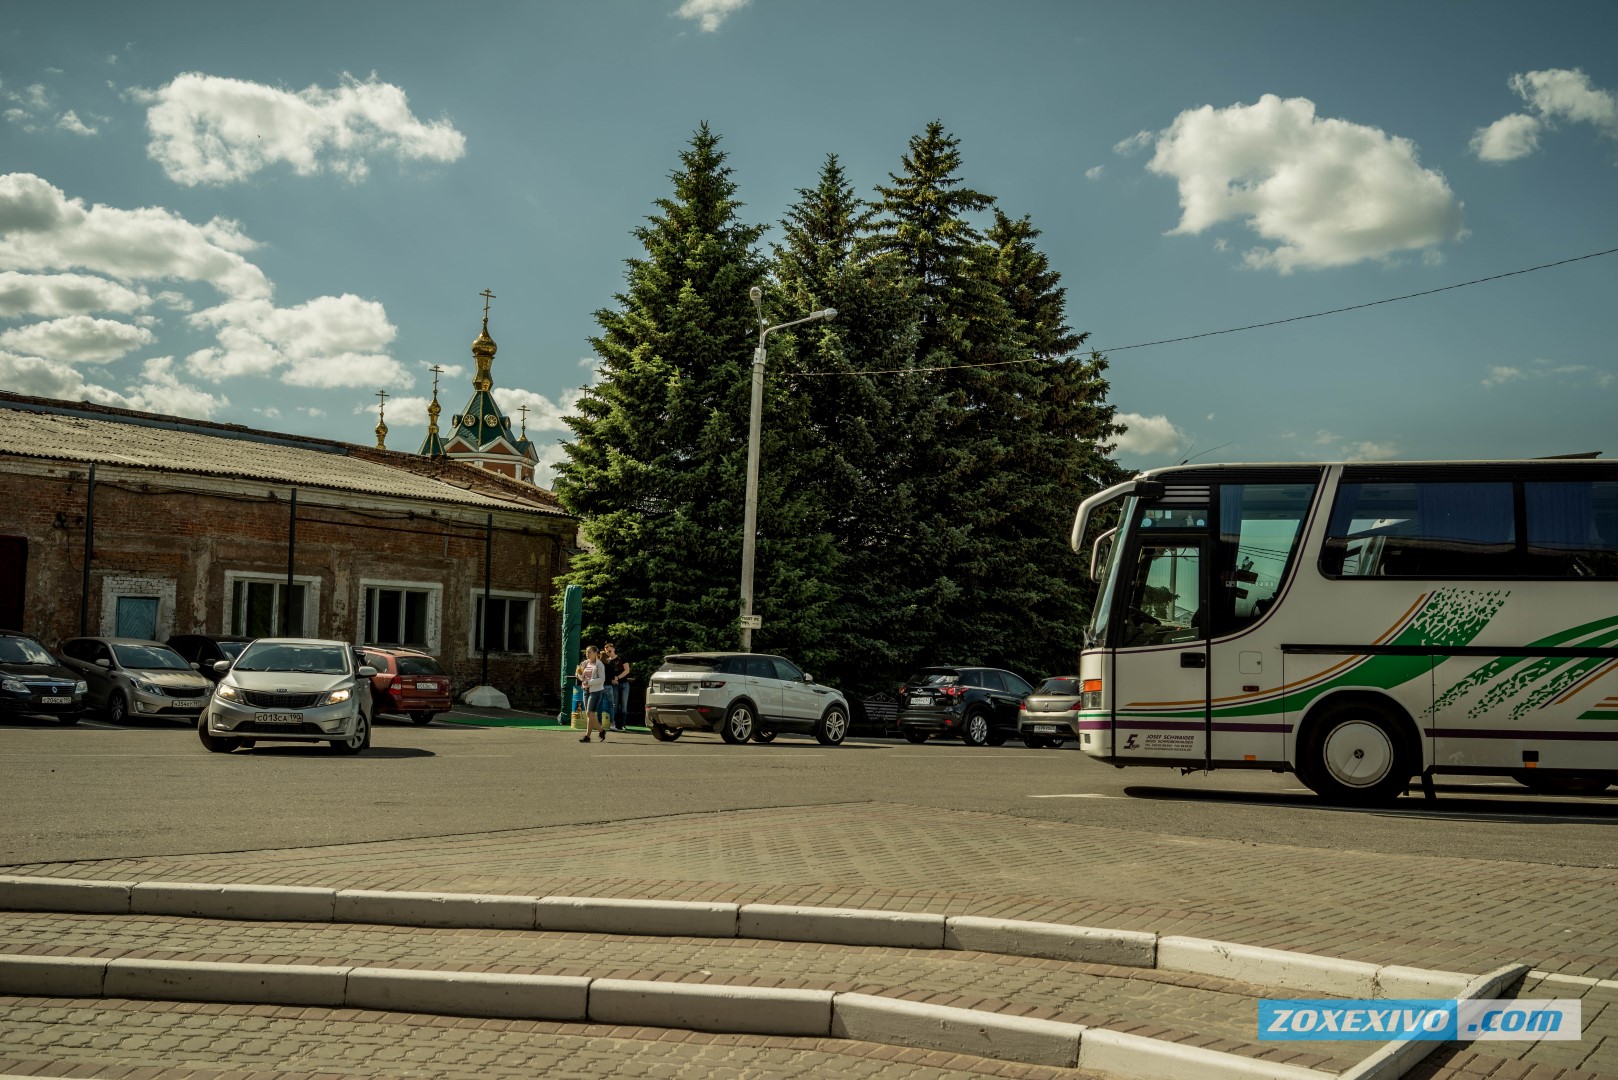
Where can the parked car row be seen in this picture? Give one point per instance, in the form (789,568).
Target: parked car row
(755,696)
(238,691)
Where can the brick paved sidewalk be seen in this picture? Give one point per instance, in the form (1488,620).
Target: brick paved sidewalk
(1465,915)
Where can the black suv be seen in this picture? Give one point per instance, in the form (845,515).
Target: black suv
(205,650)
(977,704)
(32,681)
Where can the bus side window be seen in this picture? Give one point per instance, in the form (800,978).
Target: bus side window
(1259,527)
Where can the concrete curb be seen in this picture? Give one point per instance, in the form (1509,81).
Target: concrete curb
(1399,1056)
(962,1031)
(840,926)
(636,1003)
(283,903)
(1051,941)
(652,918)
(1267,967)
(452,910)
(65,894)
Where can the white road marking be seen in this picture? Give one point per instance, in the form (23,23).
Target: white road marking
(1575,980)
(1079,795)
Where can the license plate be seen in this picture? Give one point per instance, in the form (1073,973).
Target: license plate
(56,701)
(921,700)
(426,686)
(279,717)
(672,687)
(1046,729)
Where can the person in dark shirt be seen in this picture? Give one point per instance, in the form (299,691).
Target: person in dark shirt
(616,694)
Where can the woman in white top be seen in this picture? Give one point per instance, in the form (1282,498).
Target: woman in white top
(593,676)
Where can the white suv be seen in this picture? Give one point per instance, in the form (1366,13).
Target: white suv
(742,696)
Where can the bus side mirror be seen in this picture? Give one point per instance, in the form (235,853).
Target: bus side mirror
(1148,490)
(1099,551)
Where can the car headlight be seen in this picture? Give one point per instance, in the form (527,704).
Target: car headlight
(229,693)
(338,696)
(14,686)
(81,687)
(148,688)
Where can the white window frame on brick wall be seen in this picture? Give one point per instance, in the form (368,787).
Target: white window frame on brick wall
(129,586)
(435,609)
(472,620)
(311,600)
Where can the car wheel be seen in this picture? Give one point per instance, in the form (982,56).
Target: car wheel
(213,743)
(1034,742)
(833,727)
(763,735)
(357,741)
(423,717)
(665,734)
(912,735)
(69,719)
(1563,783)
(117,708)
(977,729)
(738,725)
(1357,755)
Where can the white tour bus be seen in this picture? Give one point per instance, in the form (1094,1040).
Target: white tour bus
(1358,624)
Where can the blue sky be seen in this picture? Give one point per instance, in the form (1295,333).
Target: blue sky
(264,215)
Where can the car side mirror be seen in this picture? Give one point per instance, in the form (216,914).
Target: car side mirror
(103,663)
(221,666)
(195,666)
(808,677)
(367,671)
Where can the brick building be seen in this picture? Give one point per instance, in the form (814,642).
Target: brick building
(196,527)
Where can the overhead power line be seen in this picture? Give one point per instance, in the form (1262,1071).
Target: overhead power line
(1233,329)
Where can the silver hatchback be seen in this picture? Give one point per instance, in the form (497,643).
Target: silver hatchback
(290,690)
(1050,715)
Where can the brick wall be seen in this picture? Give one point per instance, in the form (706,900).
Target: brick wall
(195,532)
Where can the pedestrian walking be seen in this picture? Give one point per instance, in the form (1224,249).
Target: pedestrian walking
(617,688)
(592,676)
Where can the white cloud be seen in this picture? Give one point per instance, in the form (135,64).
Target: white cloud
(65,294)
(1148,434)
(1574,375)
(1556,94)
(53,379)
(77,339)
(41,229)
(709,14)
(1134,144)
(543,413)
(1094,173)
(1372,451)
(162,391)
(329,341)
(1508,138)
(207,129)
(1325,192)
(69,121)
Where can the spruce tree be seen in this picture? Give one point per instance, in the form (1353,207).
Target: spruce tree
(656,467)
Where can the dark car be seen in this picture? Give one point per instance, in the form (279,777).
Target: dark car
(977,705)
(33,682)
(206,650)
(134,677)
(407,681)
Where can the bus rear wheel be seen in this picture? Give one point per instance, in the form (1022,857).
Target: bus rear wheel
(1356,755)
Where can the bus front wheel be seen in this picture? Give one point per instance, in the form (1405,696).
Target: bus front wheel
(1355,754)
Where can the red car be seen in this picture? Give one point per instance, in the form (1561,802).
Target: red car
(408,682)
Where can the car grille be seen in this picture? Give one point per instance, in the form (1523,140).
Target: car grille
(253,727)
(186,691)
(48,689)
(264,700)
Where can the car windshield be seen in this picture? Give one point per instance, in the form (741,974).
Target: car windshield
(232,649)
(149,658)
(419,665)
(1065,685)
(300,659)
(21,650)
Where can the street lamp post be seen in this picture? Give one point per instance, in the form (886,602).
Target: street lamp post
(750,511)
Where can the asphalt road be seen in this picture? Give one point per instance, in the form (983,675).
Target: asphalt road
(95,791)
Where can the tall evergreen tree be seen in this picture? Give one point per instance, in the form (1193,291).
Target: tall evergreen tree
(657,464)
(853,422)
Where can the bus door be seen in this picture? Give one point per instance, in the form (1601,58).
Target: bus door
(1160,673)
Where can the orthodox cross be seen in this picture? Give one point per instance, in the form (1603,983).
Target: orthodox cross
(487,296)
(435,369)
(382,404)
(524,410)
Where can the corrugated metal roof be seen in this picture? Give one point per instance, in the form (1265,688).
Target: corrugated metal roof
(138,445)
